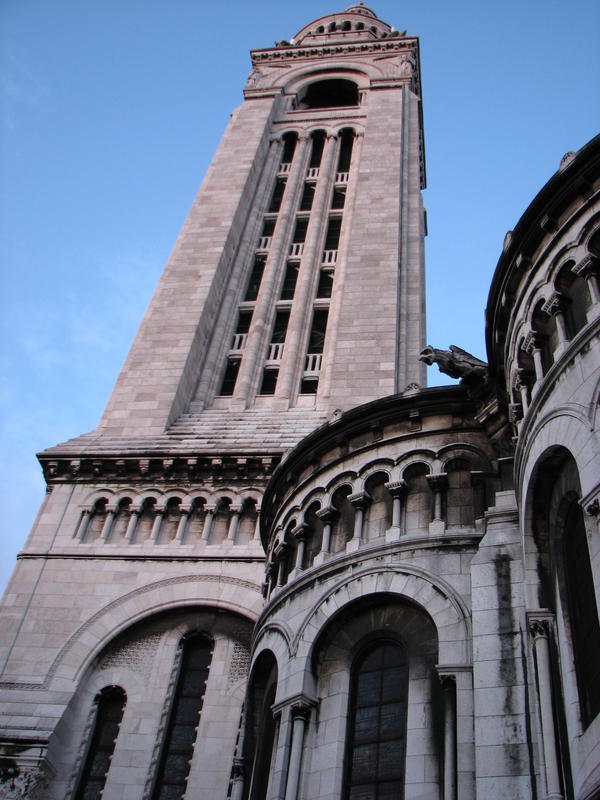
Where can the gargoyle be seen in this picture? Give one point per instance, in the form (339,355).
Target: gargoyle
(455,362)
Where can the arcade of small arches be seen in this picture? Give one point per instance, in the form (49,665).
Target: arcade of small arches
(417,497)
(197,518)
(554,314)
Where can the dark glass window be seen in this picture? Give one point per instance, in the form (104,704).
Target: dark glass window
(317,332)
(331,92)
(309,385)
(178,746)
(277,196)
(345,150)
(338,199)
(325,284)
(230,377)
(307,197)
(377,730)
(583,613)
(289,145)
(244,319)
(280,327)
(289,282)
(269,381)
(255,278)
(332,239)
(318,142)
(300,230)
(268,227)
(109,713)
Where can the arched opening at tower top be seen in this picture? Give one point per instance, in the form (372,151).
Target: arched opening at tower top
(329,93)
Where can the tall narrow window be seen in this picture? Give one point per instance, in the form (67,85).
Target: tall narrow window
(277,196)
(230,377)
(289,145)
(178,746)
(307,197)
(110,704)
(255,278)
(377,730)
(347,140)
(289,282)
(583,613)
(318,142)
(332,239)
(312,367)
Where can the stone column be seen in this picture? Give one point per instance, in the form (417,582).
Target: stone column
(587,268)
(183,521)
(132,525)
(239,778)
(539,629)
(533,346)
(523,389)
(108,522)
(397,489)
(208,522)
(360,502)
(335,304)
(300,714)
(155,532)
(256,536)
(438,484)
(234,521)
(300,315)
(555,307)
(448,682)
(300,534)
(327,515)
(82,525)
(280,554)
(264,308)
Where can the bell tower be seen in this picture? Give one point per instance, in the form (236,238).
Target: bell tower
(294,292)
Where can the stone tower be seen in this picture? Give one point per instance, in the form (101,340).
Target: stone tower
(294,293)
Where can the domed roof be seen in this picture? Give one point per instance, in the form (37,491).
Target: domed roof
(356,22)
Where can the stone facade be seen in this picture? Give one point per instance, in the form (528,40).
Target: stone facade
(280,567)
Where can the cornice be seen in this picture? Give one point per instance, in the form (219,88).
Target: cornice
(170,469)
(291,53)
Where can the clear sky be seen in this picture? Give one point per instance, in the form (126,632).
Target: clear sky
(110,113)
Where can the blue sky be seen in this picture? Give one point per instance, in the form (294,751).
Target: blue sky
(110,113)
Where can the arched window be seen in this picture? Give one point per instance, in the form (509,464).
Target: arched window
(459,497)
(379,512)
(342,528)
(260,724)
(97,519)
(583,613)
(330,93)
(178,746)
(418,512)
(110,704)
(375,762)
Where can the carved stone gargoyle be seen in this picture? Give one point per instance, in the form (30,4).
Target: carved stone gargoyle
(456,363)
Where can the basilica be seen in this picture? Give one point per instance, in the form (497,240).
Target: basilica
(281,568)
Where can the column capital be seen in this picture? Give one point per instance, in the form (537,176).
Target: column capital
(300,532)
(360,499)
(328,514)
(540,624)
(532,342)
(396,488)
(301,708)
(588,264)
(438,481)
(555,304)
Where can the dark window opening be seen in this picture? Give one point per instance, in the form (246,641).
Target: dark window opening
(332,239)
(309,385)
(377,736)
(184,718)
(346,25)
(325,284)
(268,227)
(338,199)
(109,713)
(244,319)
(255,278)
(583,613)
(347,141)
(230,377)
(277,196)
(317,332)
(280,327)
(300,231)
(330,93)
(318,142)
(289,145)
(269,381)
(307,197)
(289,282)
